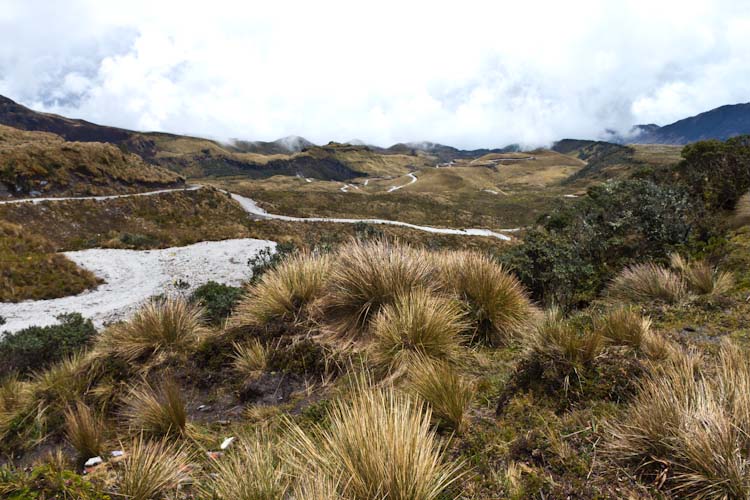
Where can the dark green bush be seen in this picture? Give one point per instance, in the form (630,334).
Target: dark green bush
(36,347)
(715,172)
(218,300)
(576,249)
(266,259)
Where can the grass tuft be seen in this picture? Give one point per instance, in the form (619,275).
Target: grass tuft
(702,278)
(643,283)
(283,292)
(156,412)
(85,430)
(497,302)
(447,392)
(252,470)
(367,276)
(250,359)
(418,324)
(378,445)
(691,423)
(160,328)
(623,326)
(151,469)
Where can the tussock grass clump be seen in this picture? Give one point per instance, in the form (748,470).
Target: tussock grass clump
(85,430)
(623,326)
(418,324)
(253,470)
(702,278)
(448,393)
(250,359)
(65,381)
(156,412)
(497,302)
(742,211)
(559,342)
(691,422)
(283,292)
(378,445)
(367,276)
(159,329)
(646,283)
(151,469)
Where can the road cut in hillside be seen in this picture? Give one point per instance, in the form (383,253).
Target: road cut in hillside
(132,276)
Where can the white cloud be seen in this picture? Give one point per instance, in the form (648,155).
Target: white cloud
(467,73)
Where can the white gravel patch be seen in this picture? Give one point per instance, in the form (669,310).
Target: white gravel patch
(132,276)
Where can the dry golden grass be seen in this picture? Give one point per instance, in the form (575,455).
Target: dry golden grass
(691,420)
(368,275)
(558,342)
(643,283)
(417,324)
(448,393)
(152,469)
(250,359)
(498,305)
(85,430)
(742,211)
(702,278)
(254,469)
(284,292)
(160,329)
(623,326)
(378,445)
(66,381)
(156,412)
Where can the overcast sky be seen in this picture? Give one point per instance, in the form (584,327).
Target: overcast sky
(465,73)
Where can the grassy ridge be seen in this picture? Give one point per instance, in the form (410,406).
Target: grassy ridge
(31,269)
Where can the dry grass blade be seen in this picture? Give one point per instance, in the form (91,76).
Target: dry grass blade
(84,430)
(156,412)
(250,359)
(380,443)
(447,392)
(417,324)
(151,469)
(252,470)
(367,276)
(742,211)
(556,341)
(702,278)
(159,328)
(695,418)
(283,292)
(649,282)
(498,305)
(623,326)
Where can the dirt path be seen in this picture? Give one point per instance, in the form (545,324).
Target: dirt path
(132,276)
(108,197)
(396,188)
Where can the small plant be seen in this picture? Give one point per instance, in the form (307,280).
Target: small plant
(283,292)
(623,326)
(157,412)
(702,278)
(378,445)
(34,348)
(368,275)
(151,469)
(418,324)
(84,430)
(253,470)
(159,329)
(497,303)
(266,259)
(648,282)
(447,392)
(250,359)
(217,299)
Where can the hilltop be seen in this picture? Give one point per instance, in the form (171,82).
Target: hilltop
(42,163)
(720,123)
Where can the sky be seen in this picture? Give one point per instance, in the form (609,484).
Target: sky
(465,73)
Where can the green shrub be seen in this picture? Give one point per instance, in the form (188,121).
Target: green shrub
(578,248)
(218,300)
(267,259)
(37,347)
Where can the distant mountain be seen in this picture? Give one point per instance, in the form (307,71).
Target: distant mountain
(445,153)
(720,123)
(285,145)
